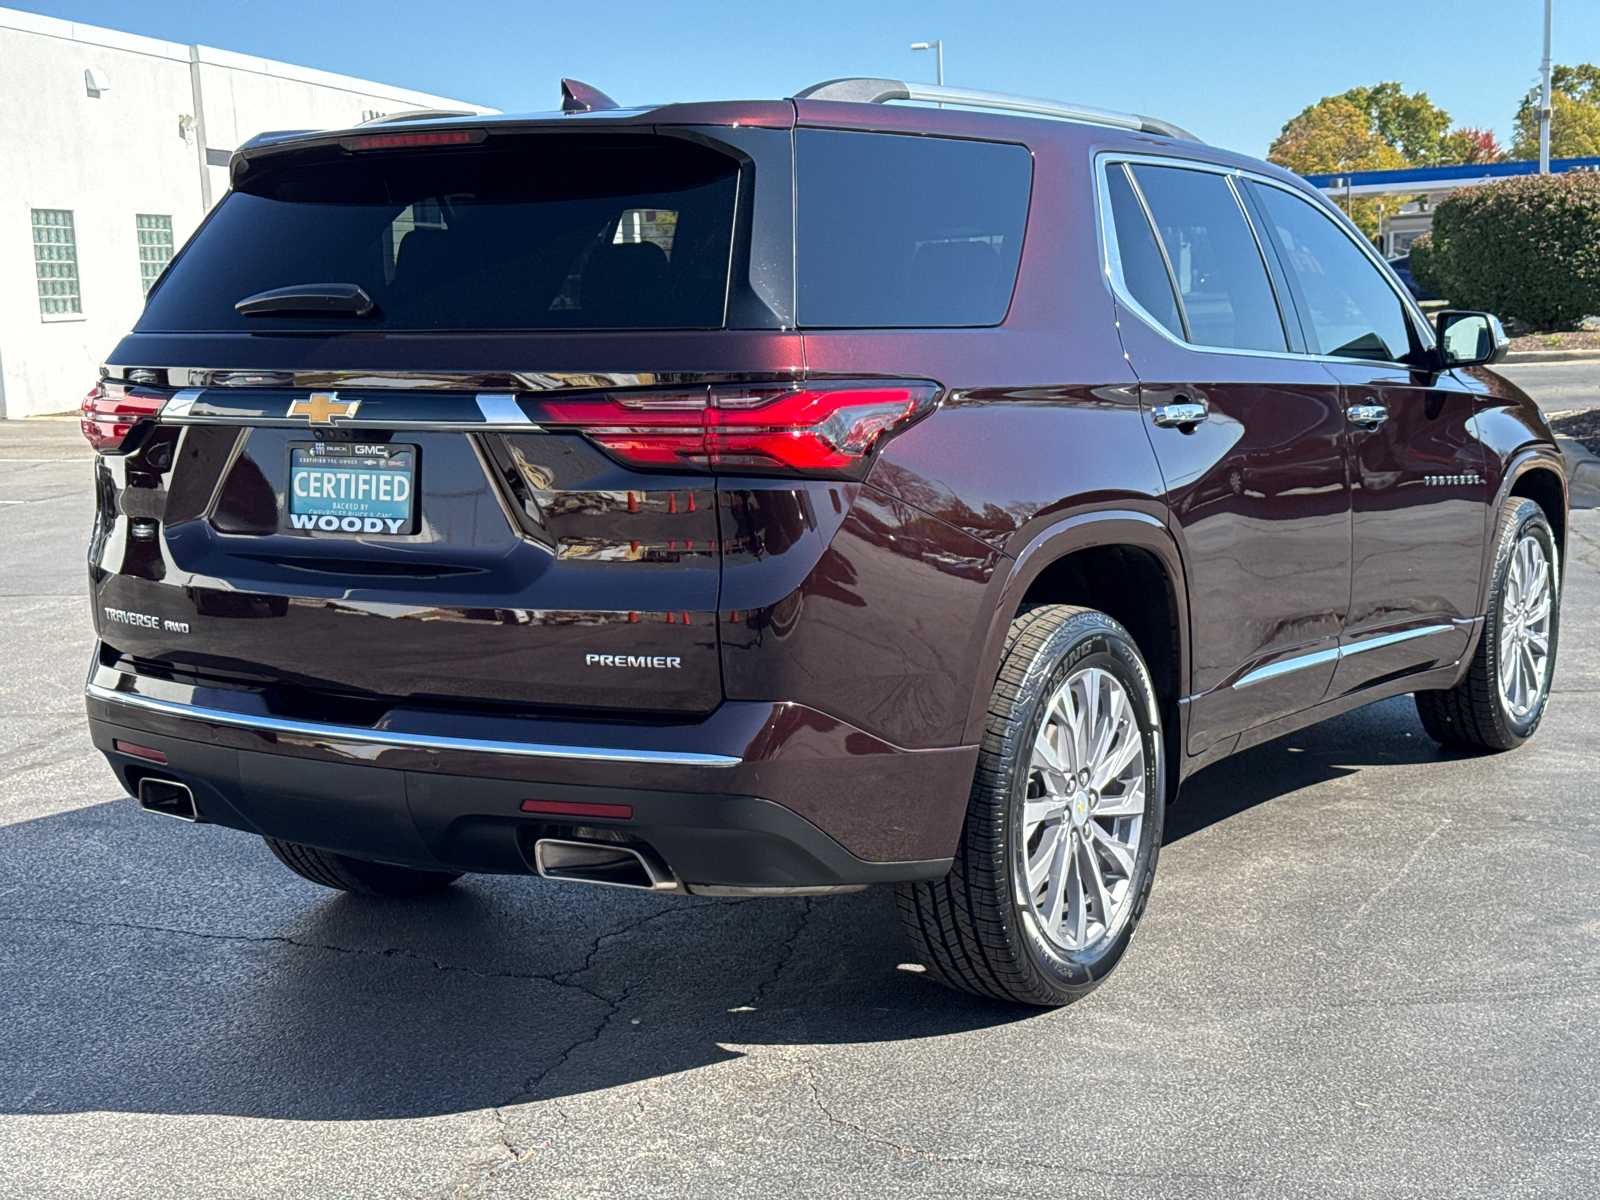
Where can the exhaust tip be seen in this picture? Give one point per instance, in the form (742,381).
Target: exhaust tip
(167,797)
(604,863)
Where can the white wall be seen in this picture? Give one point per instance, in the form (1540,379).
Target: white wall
(109,157)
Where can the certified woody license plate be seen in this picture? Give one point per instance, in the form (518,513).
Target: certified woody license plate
(346,488)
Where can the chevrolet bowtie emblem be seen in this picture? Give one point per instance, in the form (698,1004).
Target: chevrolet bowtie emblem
(323,407)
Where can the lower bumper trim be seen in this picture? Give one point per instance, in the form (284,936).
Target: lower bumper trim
(712,843)
(379,737)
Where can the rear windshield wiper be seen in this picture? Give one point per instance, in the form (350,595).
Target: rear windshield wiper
(313,299)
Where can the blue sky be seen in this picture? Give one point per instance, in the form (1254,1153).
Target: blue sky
(1231,70)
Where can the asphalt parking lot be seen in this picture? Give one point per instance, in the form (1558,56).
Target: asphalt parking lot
(1369,968)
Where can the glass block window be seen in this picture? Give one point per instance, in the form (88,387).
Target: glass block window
(55,261)
(155,247)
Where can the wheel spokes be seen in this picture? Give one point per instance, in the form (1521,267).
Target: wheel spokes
(1526,611)
(1120,853)
(1044,863)
(1128,803)
(1086,766)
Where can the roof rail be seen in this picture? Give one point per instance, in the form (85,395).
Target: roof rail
(879,91)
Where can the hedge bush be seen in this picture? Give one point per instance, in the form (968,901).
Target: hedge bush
(1525,247)
(1424,266)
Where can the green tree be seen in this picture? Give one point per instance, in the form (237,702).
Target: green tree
(1574,115)
(1336,135)
(1413,125)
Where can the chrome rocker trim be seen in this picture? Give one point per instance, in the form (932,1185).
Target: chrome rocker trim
(1317,658)
(406,741)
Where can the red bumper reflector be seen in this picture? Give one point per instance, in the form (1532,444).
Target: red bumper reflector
(143,752)
(560,808)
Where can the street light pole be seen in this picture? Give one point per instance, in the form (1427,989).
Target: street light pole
(1544,105)
(937,47)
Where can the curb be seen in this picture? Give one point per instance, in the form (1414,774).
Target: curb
(1550,356)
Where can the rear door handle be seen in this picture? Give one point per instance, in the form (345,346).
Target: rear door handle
(1187,413)
(1368,416)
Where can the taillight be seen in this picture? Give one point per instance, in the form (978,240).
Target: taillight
(112,409)
(825,430)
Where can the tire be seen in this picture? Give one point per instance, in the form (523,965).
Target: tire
(990,927)
(1501,700)
(357,875)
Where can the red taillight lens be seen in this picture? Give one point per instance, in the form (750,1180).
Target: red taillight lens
(112,409)
(823,431)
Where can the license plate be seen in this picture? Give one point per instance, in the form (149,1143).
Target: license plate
(351,487)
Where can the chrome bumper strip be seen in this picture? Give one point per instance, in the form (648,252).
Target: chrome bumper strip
(407,741)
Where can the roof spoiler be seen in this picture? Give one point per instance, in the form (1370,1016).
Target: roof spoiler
(881,91)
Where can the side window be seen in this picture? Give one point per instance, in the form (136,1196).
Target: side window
(1143,272)
(896,231)
(1351,309)
(1221,277)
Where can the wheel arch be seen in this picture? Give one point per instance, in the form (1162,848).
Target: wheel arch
(1539,474)
(1546,487)
(1125,564)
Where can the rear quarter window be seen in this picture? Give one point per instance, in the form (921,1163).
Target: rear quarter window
(895,231)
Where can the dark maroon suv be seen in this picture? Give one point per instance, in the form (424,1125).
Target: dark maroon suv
(780,497)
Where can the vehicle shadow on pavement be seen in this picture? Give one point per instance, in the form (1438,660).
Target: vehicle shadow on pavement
(1387,733)
(151,966)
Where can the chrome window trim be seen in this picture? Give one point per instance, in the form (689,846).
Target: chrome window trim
(1111,259)
(405,741)
(1316,658)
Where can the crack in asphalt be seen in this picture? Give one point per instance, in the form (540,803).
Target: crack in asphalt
(558,978)
(783,951)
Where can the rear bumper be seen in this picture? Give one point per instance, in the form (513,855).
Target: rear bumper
(754,796)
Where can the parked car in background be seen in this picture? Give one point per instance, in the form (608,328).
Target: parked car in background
(775,498)
(1402,267)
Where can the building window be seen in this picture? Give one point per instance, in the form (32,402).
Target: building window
(155,247)
(55,262)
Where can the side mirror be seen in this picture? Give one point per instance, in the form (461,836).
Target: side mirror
(1470,339)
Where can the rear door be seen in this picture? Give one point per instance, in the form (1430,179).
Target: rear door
(1417,470)
(1256,478)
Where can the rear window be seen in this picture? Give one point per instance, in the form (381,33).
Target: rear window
(553,232)
(899,231)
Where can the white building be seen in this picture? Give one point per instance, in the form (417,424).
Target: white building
(112,148)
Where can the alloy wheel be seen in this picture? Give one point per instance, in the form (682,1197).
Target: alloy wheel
(1525,612)
(1084,812)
